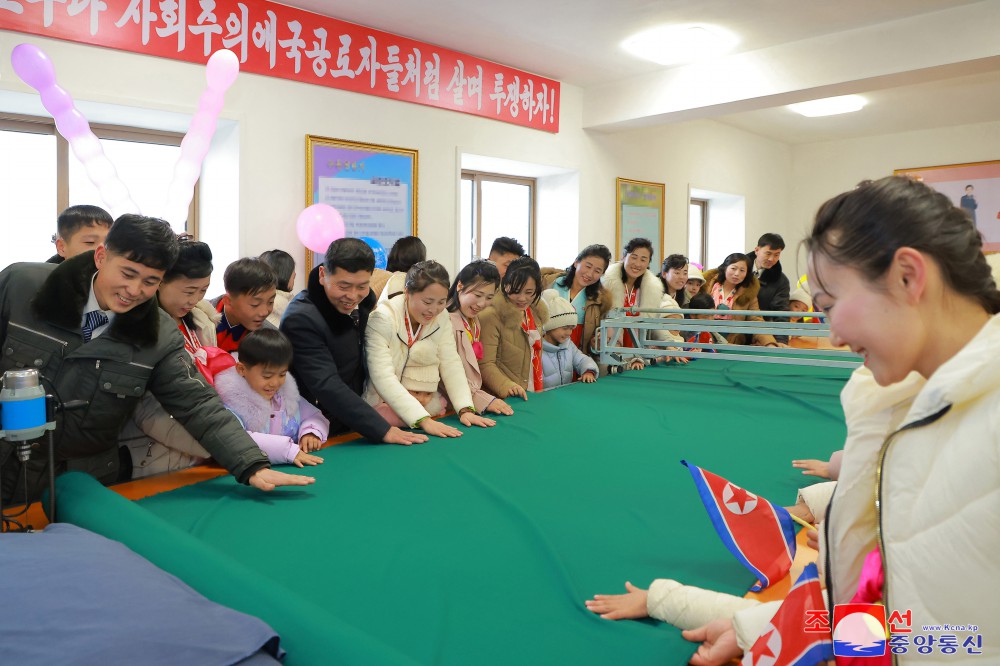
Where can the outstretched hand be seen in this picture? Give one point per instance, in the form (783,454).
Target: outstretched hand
(396,436)
(718,643)
(811,467)
(629,606)
(268,479)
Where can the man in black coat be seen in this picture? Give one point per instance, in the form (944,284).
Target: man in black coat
(93,329)
(326,323)
(774,287)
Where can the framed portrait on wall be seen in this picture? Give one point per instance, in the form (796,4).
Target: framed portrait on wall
(639,214)
(973,187)
(373,187)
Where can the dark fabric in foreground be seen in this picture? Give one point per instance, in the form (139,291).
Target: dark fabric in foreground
(482,549)
(72,596)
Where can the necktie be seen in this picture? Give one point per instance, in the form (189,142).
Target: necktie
(94,319)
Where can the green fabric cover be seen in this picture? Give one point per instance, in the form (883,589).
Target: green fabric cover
(482,549)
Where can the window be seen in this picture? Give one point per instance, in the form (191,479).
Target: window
(698,230)
(493,206)
(40,176)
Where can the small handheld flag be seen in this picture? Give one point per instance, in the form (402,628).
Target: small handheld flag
(758,534)
(789,640)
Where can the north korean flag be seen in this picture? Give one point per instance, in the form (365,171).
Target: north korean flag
(785,642)
(759,534)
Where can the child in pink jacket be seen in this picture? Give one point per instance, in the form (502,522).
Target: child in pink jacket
(263,395)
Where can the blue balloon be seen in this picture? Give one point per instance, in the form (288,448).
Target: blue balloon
(381,258)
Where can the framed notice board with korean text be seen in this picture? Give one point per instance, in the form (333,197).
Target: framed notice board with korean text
(639,214)
(373,187)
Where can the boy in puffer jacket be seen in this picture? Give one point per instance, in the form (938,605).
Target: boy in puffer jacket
(562,362)
(266,400)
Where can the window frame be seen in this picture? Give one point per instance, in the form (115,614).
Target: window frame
(42,125)
(703,204)
(477,178)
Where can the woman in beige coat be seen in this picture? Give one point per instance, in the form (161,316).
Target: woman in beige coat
(733,287)
(512,333)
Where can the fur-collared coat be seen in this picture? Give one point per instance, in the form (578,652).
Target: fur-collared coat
(276,425)
(41,310)
(329,361)
(506,354)
(650,296)
(746,299)
(594,311)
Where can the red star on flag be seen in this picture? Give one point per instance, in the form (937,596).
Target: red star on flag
(740,497)
(761,648)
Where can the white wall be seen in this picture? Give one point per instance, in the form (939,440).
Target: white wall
(701,154)
(822,170)
(270,117)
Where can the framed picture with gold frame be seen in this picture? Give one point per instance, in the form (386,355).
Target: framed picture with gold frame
(639,214)
(974,187)
(373,187)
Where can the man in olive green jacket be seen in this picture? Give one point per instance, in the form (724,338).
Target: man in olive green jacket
(92,327)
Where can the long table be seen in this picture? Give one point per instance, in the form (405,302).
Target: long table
(482,549)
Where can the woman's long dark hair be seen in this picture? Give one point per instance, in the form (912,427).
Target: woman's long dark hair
(518,273)
(675,262)
(631,247)
(720,276)
(865,227)
(591,290)
(478,272)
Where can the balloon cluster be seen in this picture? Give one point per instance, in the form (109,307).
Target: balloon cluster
(35,68)
(220,73)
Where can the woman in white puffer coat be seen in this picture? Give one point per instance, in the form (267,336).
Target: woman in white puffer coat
(900,273)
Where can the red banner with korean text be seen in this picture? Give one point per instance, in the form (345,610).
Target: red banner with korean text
(276,40)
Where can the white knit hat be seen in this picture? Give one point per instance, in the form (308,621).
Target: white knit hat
(561,312)
(800,295)
(694,273)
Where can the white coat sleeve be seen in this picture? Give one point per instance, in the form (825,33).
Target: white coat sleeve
(379,335)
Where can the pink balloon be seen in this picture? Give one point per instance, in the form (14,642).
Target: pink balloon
(33,66)
(222,69)
(210,103)
(318,226)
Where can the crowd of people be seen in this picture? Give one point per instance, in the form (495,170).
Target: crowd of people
(259,377)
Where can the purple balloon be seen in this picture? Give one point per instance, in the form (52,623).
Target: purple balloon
(71,124)
(56,100)
(33,66)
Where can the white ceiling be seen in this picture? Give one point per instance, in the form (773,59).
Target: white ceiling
(921,63)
